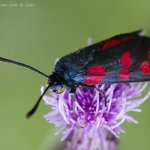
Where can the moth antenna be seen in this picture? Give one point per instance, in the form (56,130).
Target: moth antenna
(33,110)
(22,65)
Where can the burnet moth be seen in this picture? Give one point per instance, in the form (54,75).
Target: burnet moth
(121,59)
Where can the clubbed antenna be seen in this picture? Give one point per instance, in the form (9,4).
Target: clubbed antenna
(23,65)
(33,110)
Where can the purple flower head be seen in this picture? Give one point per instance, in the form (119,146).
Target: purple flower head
(86,113)
(86,121)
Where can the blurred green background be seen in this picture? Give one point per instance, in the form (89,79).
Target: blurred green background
(37,32)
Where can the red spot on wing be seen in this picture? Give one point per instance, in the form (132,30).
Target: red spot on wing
(124,74)
(111,43)
(148,54)
(126,60)
(92,80)
(145,68)
(96,70)
(115,42)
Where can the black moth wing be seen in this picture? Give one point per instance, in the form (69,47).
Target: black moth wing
(120,59)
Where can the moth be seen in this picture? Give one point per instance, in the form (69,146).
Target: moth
(120,59)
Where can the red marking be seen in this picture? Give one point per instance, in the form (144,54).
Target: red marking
(145,68)
(126,60)
(92,80)
(148,54)
(96,70)
(115,42)
(124,74)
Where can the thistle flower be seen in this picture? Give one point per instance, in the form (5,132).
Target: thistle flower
(84,119)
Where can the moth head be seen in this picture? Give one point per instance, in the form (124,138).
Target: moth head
(55,83)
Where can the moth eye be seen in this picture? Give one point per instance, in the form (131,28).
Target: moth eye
(60,90)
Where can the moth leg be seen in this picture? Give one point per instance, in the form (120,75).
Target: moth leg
(73,89)
(100,91)
(72,96)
